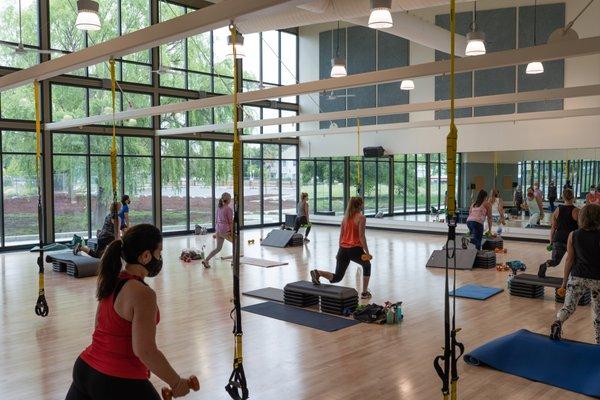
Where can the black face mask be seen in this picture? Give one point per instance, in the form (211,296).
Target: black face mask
(154,266)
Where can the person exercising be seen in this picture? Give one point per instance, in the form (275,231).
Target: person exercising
(123,352)
(497,206)
(224,229)
(564,221)
(552,195)
(479,211)
(124,213)
(593,196)
(518,199)
(302,215)
(534,205)
(353,247)
(582,269)
(106,234)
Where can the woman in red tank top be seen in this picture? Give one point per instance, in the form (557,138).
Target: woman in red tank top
(117,364)
(353,247)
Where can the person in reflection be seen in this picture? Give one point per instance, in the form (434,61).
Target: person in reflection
(110,231)
(593,197)
(123,352)
(302,215)
(534,206)
(552,195)
(497,206)
(518,199)
(564,221)
(582,269)
(353,247)
(124,213)
(224,229)
(479,211)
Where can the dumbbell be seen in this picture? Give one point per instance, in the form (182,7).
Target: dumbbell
(549,247)
(251,241)
(366,257)
(192,381)
(561,291)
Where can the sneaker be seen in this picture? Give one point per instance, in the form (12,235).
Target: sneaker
(77,249)
(205,264)
(314,276)
(542,271)
(556,330)
(306,240)
(366,295)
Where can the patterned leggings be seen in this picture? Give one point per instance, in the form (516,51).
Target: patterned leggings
(577,287)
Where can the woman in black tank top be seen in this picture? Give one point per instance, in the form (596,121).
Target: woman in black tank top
(582,269)
(564,221)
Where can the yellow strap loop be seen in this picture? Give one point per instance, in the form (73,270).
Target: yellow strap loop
(452,138)
(113,150)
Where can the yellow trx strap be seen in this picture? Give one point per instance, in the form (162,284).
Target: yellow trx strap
(495,170)
(113,150)
(41,306)
(358,160)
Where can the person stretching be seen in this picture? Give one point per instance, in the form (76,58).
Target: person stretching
(302,215)
(582,269)
(534,205)
(124,213)
(123,352)
(106,234)
(353,247)
(224,226)
(564,221)
(479,211)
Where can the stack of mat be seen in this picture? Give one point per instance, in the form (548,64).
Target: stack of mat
(485,259)
(299,299)
(492,243)
(79,266)
(532,286)
(334,299)
(523,289)
(339,307)
(296,240)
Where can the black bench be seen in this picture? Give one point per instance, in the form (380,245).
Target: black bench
(333,299)
(330,213)
(532,286)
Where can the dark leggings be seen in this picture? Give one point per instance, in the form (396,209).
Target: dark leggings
(89,384)
(344,256)
(302,221)
(559,250)
(476,232)
(102,245)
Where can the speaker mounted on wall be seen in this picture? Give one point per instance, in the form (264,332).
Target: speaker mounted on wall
(376,151)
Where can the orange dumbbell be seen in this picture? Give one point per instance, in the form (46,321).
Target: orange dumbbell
(366,257)
(561,291)
(193,383)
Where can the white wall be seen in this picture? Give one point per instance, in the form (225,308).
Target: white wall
(569,133)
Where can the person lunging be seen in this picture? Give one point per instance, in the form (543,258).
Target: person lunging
(353,247)
(302,215)
(110,231)
(224,226)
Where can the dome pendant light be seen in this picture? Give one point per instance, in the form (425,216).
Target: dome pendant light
(475,38)
(407,84)
(239,45)
(338,64)
(534,67)
(381,14)
(87,15)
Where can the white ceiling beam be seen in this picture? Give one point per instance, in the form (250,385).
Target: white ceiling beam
(442,123)
(507,98)
(203,20)
(551,51)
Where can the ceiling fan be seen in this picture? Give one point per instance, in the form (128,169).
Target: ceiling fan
(19,48)
(333,96)
(164,70)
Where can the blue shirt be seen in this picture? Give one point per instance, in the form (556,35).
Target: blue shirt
(124,209)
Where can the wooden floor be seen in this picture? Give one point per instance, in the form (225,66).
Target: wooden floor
(282,360)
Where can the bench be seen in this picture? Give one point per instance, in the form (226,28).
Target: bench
(333,299)
(532,286)
(329,213)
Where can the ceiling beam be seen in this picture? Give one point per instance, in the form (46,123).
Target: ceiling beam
(443,123)
(551,51)
(204,20)
(507,98)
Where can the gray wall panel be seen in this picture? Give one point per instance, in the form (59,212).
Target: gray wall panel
(392,52)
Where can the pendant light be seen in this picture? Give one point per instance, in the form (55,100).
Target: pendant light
(87,15)
(534,67)
(240,52)
(381,14)
(407,84)
(338,64)
(475,38)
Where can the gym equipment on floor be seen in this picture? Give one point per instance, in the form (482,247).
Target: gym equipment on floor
(92,244)
(492,243)
(295,315)
(258,262)
(192,381)
(79,266)
(532,286)
(476,292)
(282,238)
(334,299)
(485,259)
(562,363)
(465,259)
(268,293)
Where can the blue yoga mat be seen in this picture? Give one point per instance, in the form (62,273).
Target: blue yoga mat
(565,364)
(476,292)
(295,315)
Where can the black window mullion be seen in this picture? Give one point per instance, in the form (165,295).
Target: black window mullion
(3,239)
(89,185)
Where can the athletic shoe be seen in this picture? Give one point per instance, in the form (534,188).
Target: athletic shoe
(542,271)
(77,249)
(306,240)
(205,264)
(556,330)
(366,295)
(314,276)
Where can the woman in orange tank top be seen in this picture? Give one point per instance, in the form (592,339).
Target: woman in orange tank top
(353,247)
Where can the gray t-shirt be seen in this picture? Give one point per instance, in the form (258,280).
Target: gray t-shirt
(300,209)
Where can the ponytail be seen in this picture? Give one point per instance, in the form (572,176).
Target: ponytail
(221,204)
(224,197)
(109,269)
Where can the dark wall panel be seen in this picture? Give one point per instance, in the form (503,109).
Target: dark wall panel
(392,52)
(327,48)
(362,57)
(464,81)
(500,27)
(549,18)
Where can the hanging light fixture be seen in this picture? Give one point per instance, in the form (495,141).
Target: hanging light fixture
(475,38)
(534,67)
(338,64)
(240,52)
(87,15)
(381,14)
(407,84)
